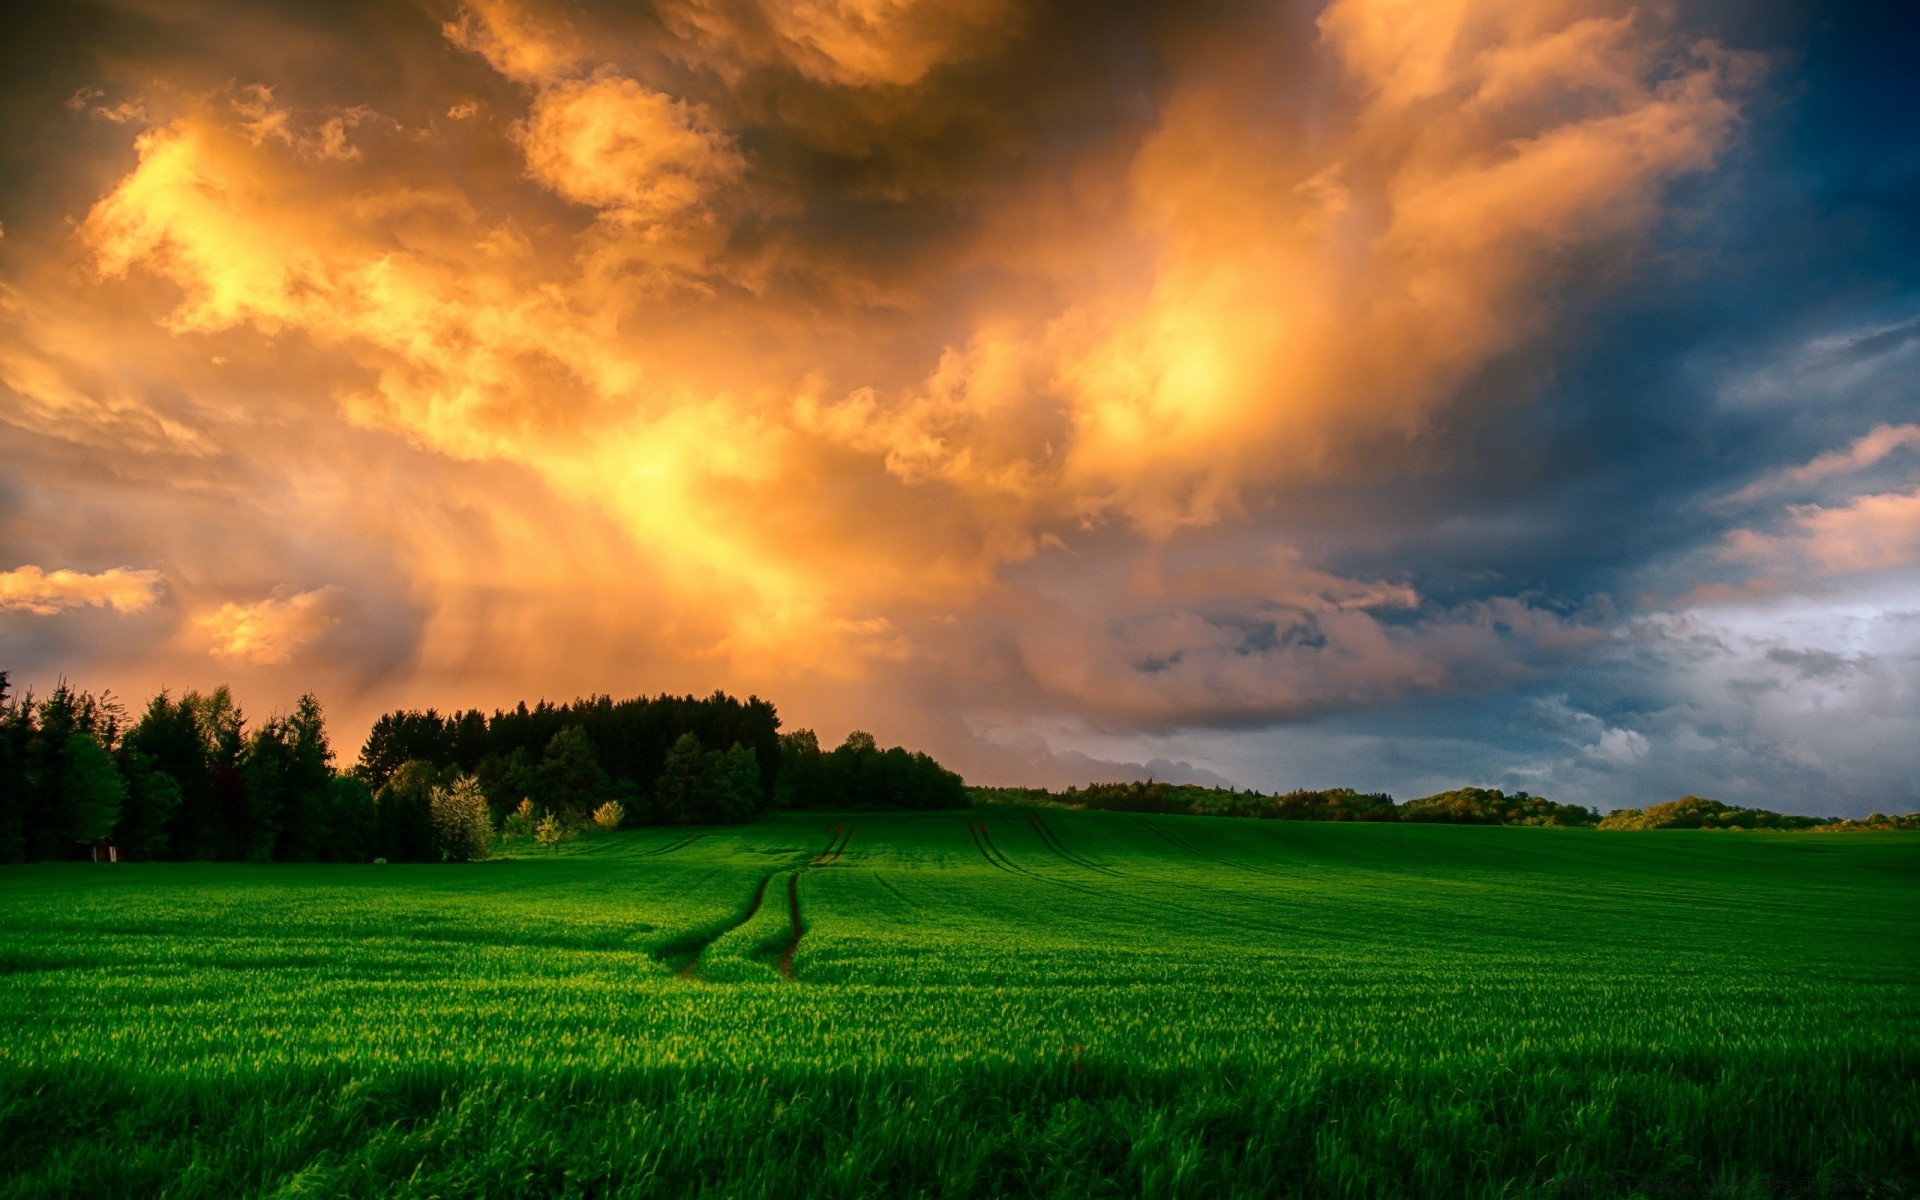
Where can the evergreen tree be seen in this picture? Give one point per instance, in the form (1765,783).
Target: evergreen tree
(92,790)
(16,730)
(351,824)
(405,814)
(729,786)
(146,816)
(509,779)
(572,782)
(308,783)
(800,781)
(262,796)
(675,795)
(168,740)
(56,720)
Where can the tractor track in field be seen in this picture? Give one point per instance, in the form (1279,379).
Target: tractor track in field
(993,854)
(838,838)
(983,839)
(1051,841)
(699,942)
(840,835)
(671,847)
(1184,846)
(799,930)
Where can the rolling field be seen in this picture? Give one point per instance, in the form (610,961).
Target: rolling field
(980,1003)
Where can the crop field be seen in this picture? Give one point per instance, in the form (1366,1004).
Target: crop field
(986,1002)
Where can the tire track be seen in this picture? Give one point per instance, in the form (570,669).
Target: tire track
(698,943)
(671,847)
(799,930)
(1188,848)
(973,831)
(1051,841)
(841,835)
(1122,898)
(999,857)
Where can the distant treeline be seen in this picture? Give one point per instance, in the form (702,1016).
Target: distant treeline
(1461,806)
(665,759)
(1695,812)
(190,779)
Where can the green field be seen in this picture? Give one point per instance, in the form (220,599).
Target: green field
(984,1002)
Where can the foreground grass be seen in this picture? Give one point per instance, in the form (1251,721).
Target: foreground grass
(988,1003)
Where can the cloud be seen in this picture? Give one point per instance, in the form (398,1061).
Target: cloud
(524,46)
(1865,534)
(858,43)
(1868,450)
(636,154)
(271,631)
(41,592)
(1137,368)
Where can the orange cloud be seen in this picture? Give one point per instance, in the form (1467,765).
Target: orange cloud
(639,155)
(1870,448)
(1864,534)
(767,341)
(859,43)
(41,592)
(270,631)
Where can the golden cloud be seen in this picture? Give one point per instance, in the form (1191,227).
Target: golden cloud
(270,631)
(766,341)
(41,592)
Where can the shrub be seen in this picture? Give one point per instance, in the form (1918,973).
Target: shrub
(551,831)
(462,824)
(609,815)
(521,821)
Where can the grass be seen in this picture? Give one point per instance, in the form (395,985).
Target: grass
(983,1003)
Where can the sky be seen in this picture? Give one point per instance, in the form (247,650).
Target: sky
(1395,394)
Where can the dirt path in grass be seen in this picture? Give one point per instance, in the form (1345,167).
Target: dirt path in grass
(799,930)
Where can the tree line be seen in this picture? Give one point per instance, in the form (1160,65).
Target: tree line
(1696,812)
(1461,806)
(190,778)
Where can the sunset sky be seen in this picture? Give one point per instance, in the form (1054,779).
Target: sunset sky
(1389,393)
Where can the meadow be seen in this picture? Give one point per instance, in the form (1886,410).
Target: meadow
(996,1001)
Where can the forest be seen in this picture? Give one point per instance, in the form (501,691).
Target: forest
(1461,806)
(1458,806)
(189,778)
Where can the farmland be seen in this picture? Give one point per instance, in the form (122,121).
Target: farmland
(981,1002)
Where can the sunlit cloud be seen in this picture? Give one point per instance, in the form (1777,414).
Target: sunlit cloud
(34,590)
(270,631)
(1864,534)
(916,354)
